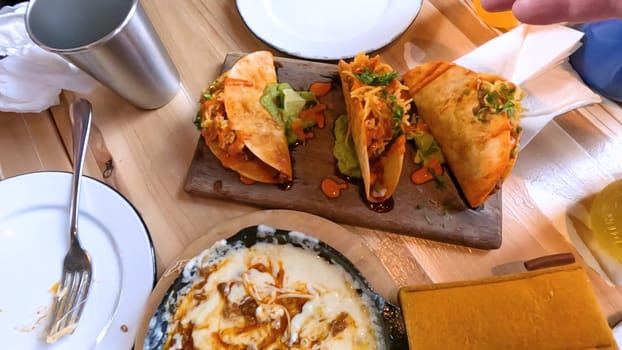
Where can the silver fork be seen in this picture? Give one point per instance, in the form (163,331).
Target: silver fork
(73,290)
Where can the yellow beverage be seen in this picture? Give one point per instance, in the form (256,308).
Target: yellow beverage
(606,218)
(504,20)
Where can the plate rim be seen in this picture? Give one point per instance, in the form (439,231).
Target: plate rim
(149,240)
(395,35)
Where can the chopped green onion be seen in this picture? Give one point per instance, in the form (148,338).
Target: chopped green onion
(369,77)
(197,120)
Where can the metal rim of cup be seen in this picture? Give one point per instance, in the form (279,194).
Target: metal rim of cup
(96,43)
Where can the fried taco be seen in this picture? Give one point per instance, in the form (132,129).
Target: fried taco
(378,106)
(240,132)
(475,118)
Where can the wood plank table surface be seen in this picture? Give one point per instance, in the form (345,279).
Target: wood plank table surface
(146,154)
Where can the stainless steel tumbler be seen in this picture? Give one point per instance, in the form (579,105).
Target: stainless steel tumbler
(112,40)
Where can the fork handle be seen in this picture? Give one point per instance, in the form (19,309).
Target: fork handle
(81,112)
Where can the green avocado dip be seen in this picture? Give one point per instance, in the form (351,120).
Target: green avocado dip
(345,153)
(344,150)
(285,104)
(427,148)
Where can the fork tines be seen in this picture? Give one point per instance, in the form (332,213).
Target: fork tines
(68,304)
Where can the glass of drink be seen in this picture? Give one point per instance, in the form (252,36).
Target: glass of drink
(112,40)
(503,20)
(606,219)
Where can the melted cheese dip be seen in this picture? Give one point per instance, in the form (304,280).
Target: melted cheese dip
(271,296)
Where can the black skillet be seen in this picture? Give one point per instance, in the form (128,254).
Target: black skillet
(390,316)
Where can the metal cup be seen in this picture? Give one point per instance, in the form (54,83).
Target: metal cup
(112,40)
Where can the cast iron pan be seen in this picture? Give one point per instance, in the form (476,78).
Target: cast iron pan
(389,315)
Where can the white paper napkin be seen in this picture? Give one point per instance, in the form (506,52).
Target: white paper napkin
(31,78)
(536,58)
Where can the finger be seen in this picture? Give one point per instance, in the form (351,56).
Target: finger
(555,11)
(497,5)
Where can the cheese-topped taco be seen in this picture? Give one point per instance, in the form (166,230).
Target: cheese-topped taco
(238,129)
(474,118)
(378,115)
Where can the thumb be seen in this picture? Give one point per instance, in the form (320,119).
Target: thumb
(497,5)
(555,11)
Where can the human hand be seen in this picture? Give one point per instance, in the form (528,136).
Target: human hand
(555,11)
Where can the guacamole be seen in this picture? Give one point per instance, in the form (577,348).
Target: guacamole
(427,148)
(343,150)
(285,105)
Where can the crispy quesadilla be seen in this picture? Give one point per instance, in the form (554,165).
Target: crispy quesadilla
(240,132)
(474,118)
(378,116)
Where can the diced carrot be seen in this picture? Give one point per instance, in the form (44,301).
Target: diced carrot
(321,121)
(421,176)
(320,88)
(427,172)
(298,130)
(435,165)
(315,113)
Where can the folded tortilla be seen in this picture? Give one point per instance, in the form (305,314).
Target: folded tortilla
(474,118)
(377,115)
(238,129)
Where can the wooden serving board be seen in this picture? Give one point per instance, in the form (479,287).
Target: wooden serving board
(425,211)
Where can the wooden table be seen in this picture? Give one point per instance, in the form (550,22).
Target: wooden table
(146,154)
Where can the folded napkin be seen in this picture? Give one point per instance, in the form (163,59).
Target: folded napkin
(536,59)
(31,78)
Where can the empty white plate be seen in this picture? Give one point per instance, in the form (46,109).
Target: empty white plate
(328,29)
(34,237)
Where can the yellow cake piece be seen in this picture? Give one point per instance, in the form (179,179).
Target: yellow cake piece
(553,308)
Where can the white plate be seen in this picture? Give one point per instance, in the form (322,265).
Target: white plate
(34,237)
(617,333)
(328,29)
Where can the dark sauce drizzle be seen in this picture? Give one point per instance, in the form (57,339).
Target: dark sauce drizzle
(285,186)
(382,207)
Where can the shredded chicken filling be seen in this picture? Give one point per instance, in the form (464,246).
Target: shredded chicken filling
(386,110)
(259,312)
(214,122)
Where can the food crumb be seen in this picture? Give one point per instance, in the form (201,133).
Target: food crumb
(124,328)
(427,218)
(54,288)
(41,314)
(177,268)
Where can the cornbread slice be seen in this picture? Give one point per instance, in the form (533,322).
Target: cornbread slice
(553,308)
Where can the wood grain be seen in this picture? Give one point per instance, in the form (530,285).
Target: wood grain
(152,151)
